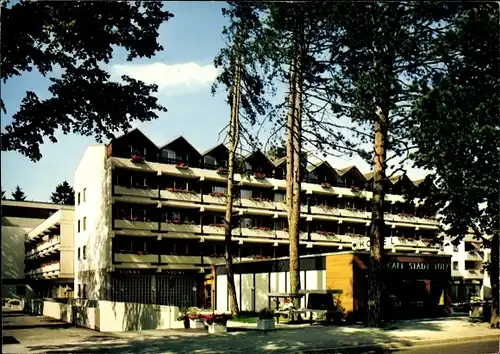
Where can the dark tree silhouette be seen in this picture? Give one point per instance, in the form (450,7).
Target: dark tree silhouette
(3,195)
(64,194)
(77,37)
(18,194)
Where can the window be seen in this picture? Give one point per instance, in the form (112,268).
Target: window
(279,197)
(209,160)
(455,248)
(170,154)
(84,291)
(248,166)
(78,198)
(78,253)
(217,189)
(245,194)
(79,293)
(84,194)
(176,216)
(246,222)
(78,228)
(84,223)
(455,265)
(84,252)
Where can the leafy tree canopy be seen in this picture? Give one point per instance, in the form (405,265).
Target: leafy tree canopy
(77,37)
(18,194)
(64,194)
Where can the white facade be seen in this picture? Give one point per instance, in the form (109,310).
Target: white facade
(467,262)
(92,256)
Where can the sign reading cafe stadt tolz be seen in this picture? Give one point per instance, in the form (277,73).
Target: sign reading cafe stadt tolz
(418,266)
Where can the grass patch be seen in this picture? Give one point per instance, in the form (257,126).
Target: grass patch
(246,319)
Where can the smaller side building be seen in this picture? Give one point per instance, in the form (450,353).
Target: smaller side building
(468,276)
(49,249)
(19,218)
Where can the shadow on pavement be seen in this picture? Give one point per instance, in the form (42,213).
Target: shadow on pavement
(306,339)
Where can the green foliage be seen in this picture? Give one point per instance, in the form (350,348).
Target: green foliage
(77,37)
(456,125)
(64,194)
(18,194)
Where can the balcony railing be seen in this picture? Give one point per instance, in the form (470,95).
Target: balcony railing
(474,274)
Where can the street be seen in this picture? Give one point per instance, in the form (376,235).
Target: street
(490,346)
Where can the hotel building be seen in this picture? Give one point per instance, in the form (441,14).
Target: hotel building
(148,220)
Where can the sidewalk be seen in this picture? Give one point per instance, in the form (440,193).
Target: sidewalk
(244,338)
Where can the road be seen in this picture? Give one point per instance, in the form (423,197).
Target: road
(490,346)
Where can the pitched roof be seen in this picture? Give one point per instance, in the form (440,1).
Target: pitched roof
(206,152)
(180,137)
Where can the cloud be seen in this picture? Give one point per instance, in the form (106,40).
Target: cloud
(171,78)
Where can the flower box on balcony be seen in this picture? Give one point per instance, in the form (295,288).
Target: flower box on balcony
(259,175)
(218,194)
(137,158)
(259,199)
(222,171)
(262,228)
(182,165)
(327,233)
(217,225)
(326,185)
(356,190)
(179,190)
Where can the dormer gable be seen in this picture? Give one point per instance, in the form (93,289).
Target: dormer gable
(352,177)
(133,142)
(257,162)
(401,184)
(179,151)
(323,172)
(215,157)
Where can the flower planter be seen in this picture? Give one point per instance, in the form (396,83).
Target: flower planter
(222,171)
(182,166)
(217,328)
(266,324)
(326,185)
(196,323)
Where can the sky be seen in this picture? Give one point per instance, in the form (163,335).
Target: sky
(183,71)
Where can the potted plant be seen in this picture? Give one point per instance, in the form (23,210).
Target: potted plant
(266,320)
(222,171)
(182,165)
(259,175)
(326,185)
(217,323)
(195,318)
(136,157)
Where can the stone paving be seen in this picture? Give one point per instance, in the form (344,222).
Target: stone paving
(240,338)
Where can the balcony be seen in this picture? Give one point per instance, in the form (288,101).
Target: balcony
(44,248)
(145,192)
(180,195)
(473,274)
(259,232)
(257,203)
(476,256)
(135,224)
(180,229)
(126,257)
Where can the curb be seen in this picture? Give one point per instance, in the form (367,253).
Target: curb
(409,344)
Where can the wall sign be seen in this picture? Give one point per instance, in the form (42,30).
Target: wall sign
(417,266)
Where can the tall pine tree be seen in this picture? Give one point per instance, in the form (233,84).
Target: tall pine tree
(18,194)
(457,131)
(64,194)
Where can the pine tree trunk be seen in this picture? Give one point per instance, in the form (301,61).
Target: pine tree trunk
(294,145)
(374,304)
(234,140)
(494,273)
